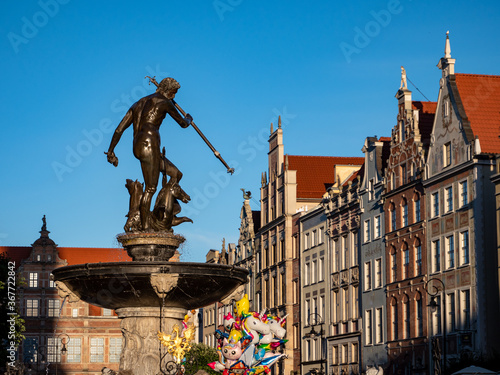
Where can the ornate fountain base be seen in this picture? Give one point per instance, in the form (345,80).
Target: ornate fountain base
(150,247)
(141,352)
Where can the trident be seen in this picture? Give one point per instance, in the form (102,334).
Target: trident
(216,153)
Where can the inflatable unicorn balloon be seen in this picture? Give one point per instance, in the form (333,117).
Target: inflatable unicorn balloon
(248,344)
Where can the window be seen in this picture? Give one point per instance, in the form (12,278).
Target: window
(465,309)
(464,247)
(393,219)
(32,307)
(406,314)
(115,349)
(314,241)
(451,319)
(379,337)
(345,353)
(450,252)
(447,154)
(74,313)
(53,307)
(420,317)
(345,315)
(394,267)
(107,312)
(33,280)
(436,256)
(96,350)
(418,261)
(403,174)
(30,345)
(354,352)
(74,347)
(378,273)
(449,198)
(38,257)
(52,283)
(367,230)
(378,229)
(314,271)
(53,349)
(307,271)
(435,204)
(345,253)
(307,242)
(335,257)
(417,210)
(355,313)
(394,321)
(405,214)
(368,275)
(406,262)
(335,355)
(371,191)
(335,306)
(321,269)
(463,193)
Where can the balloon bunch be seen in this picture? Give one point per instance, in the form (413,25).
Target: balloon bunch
(248,343)
(178,343)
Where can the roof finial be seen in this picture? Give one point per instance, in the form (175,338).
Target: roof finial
(279,121)
(447,48)
(272,129)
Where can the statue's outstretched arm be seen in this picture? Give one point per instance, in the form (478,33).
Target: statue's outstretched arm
(122,126)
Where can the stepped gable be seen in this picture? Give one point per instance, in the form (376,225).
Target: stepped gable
(315,174)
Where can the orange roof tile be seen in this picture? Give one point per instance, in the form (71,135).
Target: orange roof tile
(480,97)
(315,174)
(73,255)
(81,255)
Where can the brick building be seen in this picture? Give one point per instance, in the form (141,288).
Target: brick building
(406,250)
(63,337)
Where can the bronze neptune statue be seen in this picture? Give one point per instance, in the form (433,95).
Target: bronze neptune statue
(146,116)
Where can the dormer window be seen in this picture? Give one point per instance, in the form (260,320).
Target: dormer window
(38,258)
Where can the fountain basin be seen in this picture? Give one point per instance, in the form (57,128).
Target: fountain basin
(129,284)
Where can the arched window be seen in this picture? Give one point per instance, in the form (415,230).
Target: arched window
(404,213)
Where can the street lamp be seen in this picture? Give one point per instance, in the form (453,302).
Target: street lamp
(433,306)
(318,321)
(64,338)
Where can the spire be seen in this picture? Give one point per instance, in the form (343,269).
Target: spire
(446,63)
(447,48)
(279,122)
(272,129)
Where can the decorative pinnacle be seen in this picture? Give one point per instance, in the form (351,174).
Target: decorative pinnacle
(279,121)
(447,48)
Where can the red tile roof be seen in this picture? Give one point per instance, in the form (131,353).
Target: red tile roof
(427,111)
(73,255)
(81,255)
(315,174)
(480,97)
(16,253)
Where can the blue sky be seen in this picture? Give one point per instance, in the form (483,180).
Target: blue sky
(71,68)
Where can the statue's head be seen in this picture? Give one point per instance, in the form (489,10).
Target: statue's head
(169,86)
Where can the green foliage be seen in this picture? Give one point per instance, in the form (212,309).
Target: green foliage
(199,357)
(9,308)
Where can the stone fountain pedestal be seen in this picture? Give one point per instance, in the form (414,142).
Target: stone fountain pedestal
(149,294)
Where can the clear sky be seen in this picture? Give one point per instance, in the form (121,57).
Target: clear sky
(71,69)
